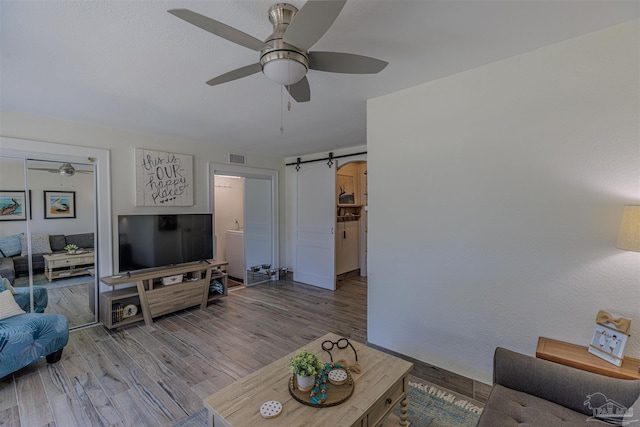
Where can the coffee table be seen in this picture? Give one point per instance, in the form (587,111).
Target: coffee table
(382,384)
(67,265)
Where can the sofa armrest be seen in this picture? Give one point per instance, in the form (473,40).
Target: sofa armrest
(564,385)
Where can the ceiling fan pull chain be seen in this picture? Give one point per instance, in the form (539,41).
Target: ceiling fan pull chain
(289,90)
(281,110)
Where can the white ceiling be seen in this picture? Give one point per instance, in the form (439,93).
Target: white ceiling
(131,65)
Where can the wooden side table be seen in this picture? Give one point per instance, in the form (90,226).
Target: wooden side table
(579,357)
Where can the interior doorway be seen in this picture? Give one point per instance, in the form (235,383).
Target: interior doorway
(244,205)
(351,219)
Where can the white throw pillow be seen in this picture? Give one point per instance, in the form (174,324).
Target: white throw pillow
(39,244)
(8,306)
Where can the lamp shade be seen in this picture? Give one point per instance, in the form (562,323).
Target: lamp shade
(629,234)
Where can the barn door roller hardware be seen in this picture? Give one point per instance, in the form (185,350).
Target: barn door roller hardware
(329,159)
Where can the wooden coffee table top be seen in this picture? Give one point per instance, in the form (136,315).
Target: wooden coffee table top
(239,403)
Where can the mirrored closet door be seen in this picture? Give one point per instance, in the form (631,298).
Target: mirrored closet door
(55,224)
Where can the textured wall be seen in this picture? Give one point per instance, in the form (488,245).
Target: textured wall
(513,177)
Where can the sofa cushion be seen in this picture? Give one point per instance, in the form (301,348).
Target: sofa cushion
(57,242)
(8,306)
(84,240)
(7,269)
(10,246)
(39,244)
(507,407)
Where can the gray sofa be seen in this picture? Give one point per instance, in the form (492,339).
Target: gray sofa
(18,265)
(535,392)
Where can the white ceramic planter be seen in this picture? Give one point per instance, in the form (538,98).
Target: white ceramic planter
(305,383)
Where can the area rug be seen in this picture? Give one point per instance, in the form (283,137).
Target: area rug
(429,406)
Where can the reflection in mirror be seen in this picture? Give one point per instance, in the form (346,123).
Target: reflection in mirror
(62,214)
(14,211)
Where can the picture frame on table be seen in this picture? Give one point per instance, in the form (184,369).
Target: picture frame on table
(12,205)
(59,204)
(610,337)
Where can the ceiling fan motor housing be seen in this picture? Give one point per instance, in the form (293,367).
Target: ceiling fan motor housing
(283,63)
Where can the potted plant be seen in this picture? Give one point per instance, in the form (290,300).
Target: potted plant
(71,249)
(306,365)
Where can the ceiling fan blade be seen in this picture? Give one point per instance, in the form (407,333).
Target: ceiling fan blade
(300,91)
(220,29)
(235,74)
(348,63)
(311,22)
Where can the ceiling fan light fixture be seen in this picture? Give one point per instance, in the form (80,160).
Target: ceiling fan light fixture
(66,170)
(284,67)
(284,71)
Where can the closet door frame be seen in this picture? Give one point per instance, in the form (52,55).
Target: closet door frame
(248,172)
(39,150)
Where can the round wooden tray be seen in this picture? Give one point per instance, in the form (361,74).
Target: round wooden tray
(336,394)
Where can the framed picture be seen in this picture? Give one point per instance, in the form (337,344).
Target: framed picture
(12,206)
(610,338)
(59,204)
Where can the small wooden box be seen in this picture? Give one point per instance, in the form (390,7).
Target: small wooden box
(172,280)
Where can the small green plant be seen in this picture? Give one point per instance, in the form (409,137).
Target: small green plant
(71,247)
(305,363)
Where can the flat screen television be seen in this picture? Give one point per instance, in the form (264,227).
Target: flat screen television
(150,241)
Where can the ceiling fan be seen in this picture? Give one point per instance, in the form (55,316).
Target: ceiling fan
(284,55)
(66,169)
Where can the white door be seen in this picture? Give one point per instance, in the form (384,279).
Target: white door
(257,228)
(315,225)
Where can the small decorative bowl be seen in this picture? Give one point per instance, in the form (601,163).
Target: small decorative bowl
(255,268)
(271,272)
(266,266)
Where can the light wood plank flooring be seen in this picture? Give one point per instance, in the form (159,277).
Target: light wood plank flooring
(158,375)
(72,302)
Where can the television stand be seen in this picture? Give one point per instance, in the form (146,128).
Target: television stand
(151,298)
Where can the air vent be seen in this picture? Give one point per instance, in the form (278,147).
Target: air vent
(237,159)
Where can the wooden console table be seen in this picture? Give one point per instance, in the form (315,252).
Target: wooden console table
(579,357)
(154,298)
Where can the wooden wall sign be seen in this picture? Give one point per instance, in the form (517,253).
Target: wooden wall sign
(163,179)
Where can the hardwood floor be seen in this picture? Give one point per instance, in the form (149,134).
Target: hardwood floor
(72,302)
(158,375)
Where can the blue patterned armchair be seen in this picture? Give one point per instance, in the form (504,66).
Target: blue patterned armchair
(40,298)
(26,337)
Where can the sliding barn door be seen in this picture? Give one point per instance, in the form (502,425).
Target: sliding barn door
(315,225)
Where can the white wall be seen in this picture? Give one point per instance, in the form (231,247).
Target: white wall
(121,145)
(495,197)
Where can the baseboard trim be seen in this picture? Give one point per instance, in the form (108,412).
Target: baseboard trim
(455,382)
